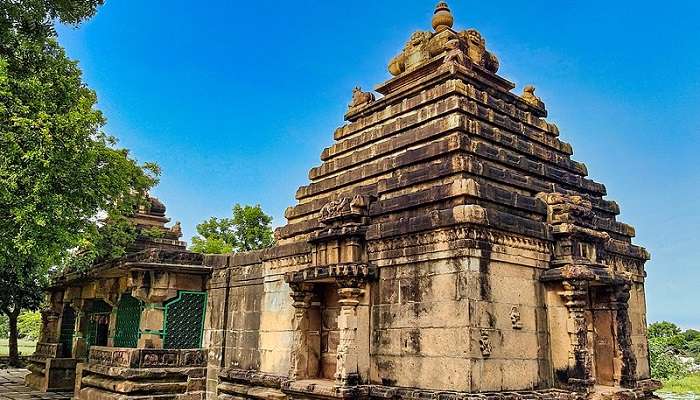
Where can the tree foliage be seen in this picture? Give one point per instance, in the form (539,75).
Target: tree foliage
(667,343)
(29,325)
(58,169)
(249,228)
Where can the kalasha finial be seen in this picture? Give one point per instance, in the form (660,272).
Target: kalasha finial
(442,18)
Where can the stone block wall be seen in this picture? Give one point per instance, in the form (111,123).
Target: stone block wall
(474,322)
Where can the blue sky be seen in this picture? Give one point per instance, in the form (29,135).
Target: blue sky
(236,100)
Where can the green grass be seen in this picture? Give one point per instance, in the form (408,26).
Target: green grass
(25,347)
(690,383)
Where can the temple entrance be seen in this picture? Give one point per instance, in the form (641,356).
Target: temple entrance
(98,323)
(66,331)
(330,335)
(604,347)
(603,335)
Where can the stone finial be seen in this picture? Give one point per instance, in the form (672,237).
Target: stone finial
(530,98)
(442,18)
(460,47)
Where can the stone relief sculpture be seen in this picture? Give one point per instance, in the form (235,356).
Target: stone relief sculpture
(515,317)
(485,343)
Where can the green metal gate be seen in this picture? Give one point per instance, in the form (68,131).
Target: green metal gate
(66,331)
(184,321)
(128,320)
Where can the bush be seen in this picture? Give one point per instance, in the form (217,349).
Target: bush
(664,362)
(29,325)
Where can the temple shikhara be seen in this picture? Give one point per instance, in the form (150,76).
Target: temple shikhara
(447,247)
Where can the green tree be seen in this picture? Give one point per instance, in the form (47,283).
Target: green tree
(29,325)
(58,169)
(663,329)
(21,289)
(249,228)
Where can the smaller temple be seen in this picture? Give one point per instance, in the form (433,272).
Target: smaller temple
(130,327)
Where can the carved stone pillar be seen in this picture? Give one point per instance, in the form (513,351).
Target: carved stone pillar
(50,328)
(575,294)
(302,294)
(79,346)
(627,362)
(347,365)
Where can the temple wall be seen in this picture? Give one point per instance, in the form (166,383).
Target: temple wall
(444,321)
(448,323)
(637,313)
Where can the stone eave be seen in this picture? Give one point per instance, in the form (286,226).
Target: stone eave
(586,272)
(151,259)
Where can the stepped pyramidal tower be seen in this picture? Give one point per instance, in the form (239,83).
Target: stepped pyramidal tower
(447,247)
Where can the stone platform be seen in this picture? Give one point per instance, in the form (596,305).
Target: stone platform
(12,387)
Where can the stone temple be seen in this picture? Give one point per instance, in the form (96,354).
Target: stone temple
(447,247)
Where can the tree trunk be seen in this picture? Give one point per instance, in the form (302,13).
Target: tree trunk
(14,354)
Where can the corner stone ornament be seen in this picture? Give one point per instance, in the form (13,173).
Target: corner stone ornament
(360,99)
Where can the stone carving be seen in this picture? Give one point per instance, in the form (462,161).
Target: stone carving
(360,98)
(455,52)
(423,46)
(565,208)
(476,50)
(485,343)
(415,52)
(158,358)
(47,349)
(176,229)
(530,98)
(346,366)
(194,358)
(515,318)
(100,356)
(358,272)
(120,358)
(344,207)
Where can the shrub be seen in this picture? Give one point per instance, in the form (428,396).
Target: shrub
(664,362)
